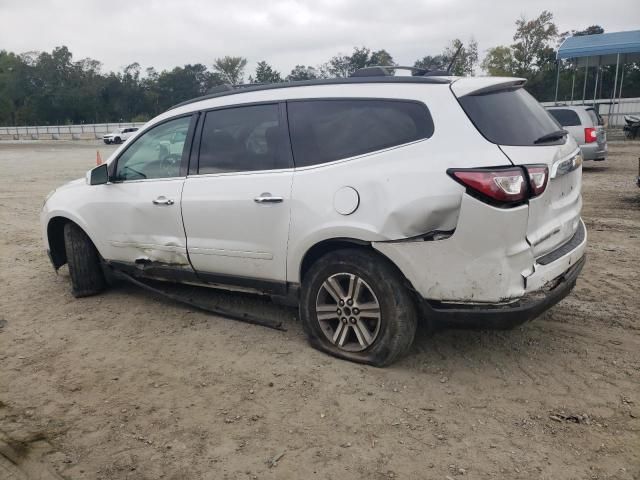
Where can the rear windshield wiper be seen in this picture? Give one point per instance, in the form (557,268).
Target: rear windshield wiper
(549,137)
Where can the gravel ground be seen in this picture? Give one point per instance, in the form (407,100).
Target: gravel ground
(126,385)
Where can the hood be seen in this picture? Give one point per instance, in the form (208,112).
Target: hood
(73,184)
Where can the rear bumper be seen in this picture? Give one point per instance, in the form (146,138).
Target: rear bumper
(594,151)
(510,315)
(486,271)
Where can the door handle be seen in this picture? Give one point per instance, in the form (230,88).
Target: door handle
(162,200)
(268,198)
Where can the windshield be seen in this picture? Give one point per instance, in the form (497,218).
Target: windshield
(510,117)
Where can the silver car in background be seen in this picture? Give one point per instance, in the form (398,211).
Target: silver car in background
(585,126)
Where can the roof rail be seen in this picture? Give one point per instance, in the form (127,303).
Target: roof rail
(227,87)
(224,90)
(387,70)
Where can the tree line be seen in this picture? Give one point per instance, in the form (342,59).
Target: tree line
(533,56)
(53,88)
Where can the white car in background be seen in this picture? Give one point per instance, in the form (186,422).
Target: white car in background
(119,135)
(373,203)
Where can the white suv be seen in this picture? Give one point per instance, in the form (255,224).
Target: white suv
(119,135)
(372,202)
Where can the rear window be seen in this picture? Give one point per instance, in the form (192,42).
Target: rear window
(566,118)
(509,117)
(326,130)
(595,118)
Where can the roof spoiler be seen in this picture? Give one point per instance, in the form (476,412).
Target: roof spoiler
(483,85)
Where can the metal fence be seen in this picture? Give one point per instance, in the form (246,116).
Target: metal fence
(612,113)
(75,132)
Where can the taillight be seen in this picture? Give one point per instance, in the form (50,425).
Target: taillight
(503,186)
(590,135)
(538,178)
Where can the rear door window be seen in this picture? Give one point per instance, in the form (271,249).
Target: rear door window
(326,130)
(510,117)
(566,118)
(245,138)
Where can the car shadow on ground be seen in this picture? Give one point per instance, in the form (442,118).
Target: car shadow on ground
(589,169)
(446,347)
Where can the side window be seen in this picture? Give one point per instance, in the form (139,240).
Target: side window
(327,130)
(156,154)
(566,118)
(241,139)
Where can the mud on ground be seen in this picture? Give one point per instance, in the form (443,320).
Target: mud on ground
(129,386)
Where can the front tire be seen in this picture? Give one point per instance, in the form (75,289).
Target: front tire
(85,270)
(117,140)
(355,305)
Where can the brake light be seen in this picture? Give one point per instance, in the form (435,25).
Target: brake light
(590,135)
(505,186)
(538,178)
(499,186)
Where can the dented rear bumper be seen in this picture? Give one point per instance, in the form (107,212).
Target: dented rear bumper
(486,273)
(510,315)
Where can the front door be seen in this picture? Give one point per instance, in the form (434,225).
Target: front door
(139,209)
(236,206)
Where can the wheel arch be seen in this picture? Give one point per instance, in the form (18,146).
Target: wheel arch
(55,239)
(333,244)
(330,245)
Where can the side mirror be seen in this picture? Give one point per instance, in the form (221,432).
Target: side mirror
(99,175)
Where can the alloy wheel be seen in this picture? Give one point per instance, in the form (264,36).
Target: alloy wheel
(348,312)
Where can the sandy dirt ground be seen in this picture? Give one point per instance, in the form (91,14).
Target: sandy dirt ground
(127,385)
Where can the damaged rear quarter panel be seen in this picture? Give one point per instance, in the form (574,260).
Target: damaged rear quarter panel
(483,261)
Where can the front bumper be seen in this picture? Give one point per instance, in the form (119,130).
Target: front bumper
(510,315)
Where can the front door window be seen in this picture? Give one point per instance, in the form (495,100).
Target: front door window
(156,154)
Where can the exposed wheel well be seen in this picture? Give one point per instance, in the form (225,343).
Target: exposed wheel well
(55,235)
(326,246)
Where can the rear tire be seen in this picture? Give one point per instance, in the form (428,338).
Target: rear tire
(85,270)
(117,140)
(375,314)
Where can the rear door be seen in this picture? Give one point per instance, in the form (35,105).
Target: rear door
(236,204)
(523,129)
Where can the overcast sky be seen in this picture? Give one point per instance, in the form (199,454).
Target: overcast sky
(165,33)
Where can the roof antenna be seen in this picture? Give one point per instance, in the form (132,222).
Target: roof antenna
(453,59)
